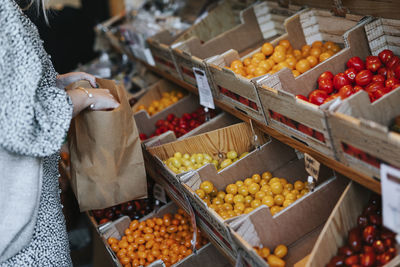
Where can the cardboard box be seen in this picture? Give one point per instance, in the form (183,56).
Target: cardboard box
(207,254)
(343,218)
(361,134)
(189,103)
(238,137)
(276,157)
(296,118)
(261,23)
(218,20)
(297,227)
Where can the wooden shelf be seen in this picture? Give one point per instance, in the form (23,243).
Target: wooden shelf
(352,174)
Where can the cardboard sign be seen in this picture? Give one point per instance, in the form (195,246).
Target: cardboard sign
(206,98)
(312,166)
(390,182)
(159,193)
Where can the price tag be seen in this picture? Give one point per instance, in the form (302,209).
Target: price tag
(206,98)
(390,183)
(159,193)
(312,166)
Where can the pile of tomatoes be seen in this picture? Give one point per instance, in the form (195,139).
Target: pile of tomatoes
(167,238)
(166,100)
(272,59)
(369,243)
(180,126)
(378,75)
(275,259)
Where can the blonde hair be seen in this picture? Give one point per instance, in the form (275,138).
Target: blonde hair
(41,6)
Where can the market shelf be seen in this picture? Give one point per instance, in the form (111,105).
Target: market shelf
(354,175)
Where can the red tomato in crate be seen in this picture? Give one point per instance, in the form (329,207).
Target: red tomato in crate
(302,97)
(357,88)
(372,87)
(378,94)
(382,71)
(393,62)
(351,74)
(372,63)
(356,63)
(318,97)
(397,71)
(385,56)
(391,82)
(378,78)
(340,80)
(326,75)
(364,77)
(325,85)
(346,91)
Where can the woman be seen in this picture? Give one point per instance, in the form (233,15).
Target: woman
(35,113)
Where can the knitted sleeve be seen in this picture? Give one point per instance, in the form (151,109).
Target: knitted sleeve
(34,113)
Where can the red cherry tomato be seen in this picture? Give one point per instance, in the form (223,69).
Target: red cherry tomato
(386,90)
(395,86)
(325,85)
(364,77)
(340,80)
(382,71)
(318,97)
(378,94)
(373,63)
(397,71)
(393,62)
(302,97)
(351,74)
(390,74)
(391,81)
(346,91)
(326,75)
(356,63)
(378,78)
(385,56)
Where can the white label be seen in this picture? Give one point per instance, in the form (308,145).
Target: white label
(206,98)
(390,182)
(159,193)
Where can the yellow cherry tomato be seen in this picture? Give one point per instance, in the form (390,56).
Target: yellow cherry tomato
(228,198)
(268,201)
(207,187)
(259,195)
(276,188)
(248,181)
(243,191)
(200,193)
(231,189)
(280,251)
(231,155)
(278,200)
(275,261)
(299,185)
(253,188)
(238,199)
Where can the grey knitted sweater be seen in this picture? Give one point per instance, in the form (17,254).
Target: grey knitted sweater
(34,118)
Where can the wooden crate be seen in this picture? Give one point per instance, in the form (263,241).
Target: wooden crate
(238,137)
(218,20)
(361,135)
(297,227)
(383,34)
(276,157)
(295,118)
(207,254)
(343,218)
(259,23)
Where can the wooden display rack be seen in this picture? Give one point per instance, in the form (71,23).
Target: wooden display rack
(352,174)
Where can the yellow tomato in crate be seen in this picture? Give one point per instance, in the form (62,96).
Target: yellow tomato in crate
(236,64)
(239,183)
(259,71)
(303,65)
(312,60)
(283,181)
(228,198)
(248,200)
(239,206)
(315,52)
(265,188)
(324,56)
(255,203)
(200,193)
(268,201)
(274,180)
(298,185)
(267,49)
(297,54)
(295,73)
(256,178)
(259,56)
(280,251)
(231,189)
(274,261)
(255,61)
(217,201)
(280,49)
(285,43)
(225,163)
(207,187)
(287,202)
(274,210)
(248,181)
(221,195)
(266,175)
(260,195)
(265,65)
(248,210)
(278,57)
(279,199)
(290,196)
(231,155)
(247,61)
(243,155)
(243,191)
(253,188)
(250,69)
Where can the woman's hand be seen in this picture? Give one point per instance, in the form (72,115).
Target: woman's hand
(64,80)
(101,99)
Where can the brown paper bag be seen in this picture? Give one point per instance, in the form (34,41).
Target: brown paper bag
(107,166)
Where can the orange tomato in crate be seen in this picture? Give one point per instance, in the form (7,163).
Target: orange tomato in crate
(271,59)
(167,238)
